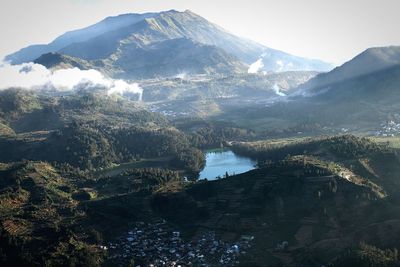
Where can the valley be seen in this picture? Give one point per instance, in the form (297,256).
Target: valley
(306,195)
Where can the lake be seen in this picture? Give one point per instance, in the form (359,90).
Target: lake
(220,161)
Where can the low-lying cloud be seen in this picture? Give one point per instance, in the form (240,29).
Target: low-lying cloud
(37,77)
(122,88)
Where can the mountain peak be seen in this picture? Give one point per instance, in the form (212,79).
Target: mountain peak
(171,11)
(190,12)
(174,11)
(388,53)
(114,36)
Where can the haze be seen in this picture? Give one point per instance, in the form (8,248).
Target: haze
(333,31)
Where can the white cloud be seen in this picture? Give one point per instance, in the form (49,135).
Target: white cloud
(36,77)
(121,87)
(70,78)
(26,75)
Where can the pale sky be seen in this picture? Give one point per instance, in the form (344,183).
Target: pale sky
(331,30)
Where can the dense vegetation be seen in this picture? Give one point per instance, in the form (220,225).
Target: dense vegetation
(293,200)
(206,134)
(58,216)
(89,131)
(80,169)
(368,256)
(38,219)
(340,147)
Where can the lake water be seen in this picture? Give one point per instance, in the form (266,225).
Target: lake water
(218,162)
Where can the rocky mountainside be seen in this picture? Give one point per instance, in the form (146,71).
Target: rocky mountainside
(163,59)
(135,36)
(32,52)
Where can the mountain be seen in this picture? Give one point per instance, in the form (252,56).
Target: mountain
(363,90)
(167,58)
(381,86)
(361,96)
(363,103)
(369,99)
(369,61)
(115,38)
(30,53)
(166,26)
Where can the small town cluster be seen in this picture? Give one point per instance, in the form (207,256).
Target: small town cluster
(390,128)
(155,244)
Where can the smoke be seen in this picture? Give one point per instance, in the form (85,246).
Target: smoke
(182,75)
(278,90)
(256,66)
(284,67)
(37,77)
(280,64)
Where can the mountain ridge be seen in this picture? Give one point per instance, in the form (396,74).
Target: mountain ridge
(69,37)
(102,40)
(369,61)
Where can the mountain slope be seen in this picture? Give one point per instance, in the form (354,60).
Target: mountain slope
(364,104)
(175,56)
(369,61)
(280,61)
(32,52)
(138,31)
(360,104)
(59,61)
(382,86)
(167,58)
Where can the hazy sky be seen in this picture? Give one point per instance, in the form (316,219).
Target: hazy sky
(332,30)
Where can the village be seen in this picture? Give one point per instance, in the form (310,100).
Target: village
(390,128)
(156,244)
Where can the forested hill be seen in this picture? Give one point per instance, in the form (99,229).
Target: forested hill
(88,131)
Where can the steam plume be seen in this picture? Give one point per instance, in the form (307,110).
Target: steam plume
(256,66)
(278,90)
